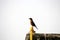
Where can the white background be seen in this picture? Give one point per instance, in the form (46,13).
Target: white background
(15,14)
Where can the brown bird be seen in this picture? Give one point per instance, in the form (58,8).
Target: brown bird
(32,23)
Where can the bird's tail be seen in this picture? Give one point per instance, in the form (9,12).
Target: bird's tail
(36,28)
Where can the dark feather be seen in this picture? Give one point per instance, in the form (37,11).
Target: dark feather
(32,23)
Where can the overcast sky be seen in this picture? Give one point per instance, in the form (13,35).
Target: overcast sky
(15,14)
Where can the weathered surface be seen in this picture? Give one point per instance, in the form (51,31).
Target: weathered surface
(38,36)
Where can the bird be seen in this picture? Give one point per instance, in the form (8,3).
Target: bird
(32,23)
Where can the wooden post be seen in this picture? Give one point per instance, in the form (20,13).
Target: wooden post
(31,33)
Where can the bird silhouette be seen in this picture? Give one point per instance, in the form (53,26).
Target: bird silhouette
(32,23)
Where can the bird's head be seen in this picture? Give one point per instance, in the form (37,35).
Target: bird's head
(30,18)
